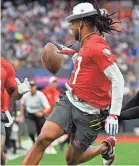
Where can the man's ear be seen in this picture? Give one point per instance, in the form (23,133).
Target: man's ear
(81,24)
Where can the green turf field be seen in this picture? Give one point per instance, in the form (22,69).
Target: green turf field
(126,154)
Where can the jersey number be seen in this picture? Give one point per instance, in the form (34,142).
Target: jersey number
(79,60)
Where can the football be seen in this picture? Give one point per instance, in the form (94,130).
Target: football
(51,60)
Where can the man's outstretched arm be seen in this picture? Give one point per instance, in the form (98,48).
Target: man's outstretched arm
(13,86)
(117,80)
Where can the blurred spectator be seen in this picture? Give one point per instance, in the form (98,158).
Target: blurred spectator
(129,95)
(131,82)
(51,92)
(34,105)
(27,28)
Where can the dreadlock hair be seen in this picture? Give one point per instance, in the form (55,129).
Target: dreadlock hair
(103,22)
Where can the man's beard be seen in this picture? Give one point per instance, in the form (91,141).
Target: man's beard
(76,36)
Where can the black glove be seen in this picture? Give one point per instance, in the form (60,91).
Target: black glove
(4,118)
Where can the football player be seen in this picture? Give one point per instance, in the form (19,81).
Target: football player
(80,110)
(15,90)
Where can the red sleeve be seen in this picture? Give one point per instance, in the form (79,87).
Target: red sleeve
(10,80)
(102,55)
(6,100)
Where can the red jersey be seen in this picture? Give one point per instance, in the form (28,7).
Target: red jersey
(7,80)
(52,96)
(88,80)
(6,99)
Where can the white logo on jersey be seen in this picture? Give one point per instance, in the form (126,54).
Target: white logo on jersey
(106,52)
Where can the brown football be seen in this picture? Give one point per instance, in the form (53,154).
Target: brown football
(51,60)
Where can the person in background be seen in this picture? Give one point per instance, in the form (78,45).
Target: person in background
(7,129)
(129,95)
(131,82)
(51,92)
(34,106)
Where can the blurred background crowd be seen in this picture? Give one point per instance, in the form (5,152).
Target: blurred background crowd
(26,28)
(28,25)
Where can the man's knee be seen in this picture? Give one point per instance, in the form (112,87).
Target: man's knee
(72,161)
(67,157)
(72,156)
(68,152)
(44,140)
(50,132)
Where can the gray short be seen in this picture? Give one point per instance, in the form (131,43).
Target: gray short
(76,123)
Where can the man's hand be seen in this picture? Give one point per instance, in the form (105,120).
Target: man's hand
(20,119)
(23,87)
(67,51)
(39,114)
(64,50)
(111,125)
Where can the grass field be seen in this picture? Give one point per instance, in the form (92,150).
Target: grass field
(126,154)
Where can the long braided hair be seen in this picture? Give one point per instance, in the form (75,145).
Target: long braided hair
(102,21)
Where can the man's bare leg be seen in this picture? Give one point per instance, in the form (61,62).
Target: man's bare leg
(50,132)
(92,152)
(73,157)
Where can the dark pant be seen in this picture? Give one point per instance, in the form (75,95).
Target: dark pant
(32,120)
(131,109)
(8,141)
